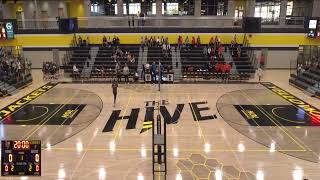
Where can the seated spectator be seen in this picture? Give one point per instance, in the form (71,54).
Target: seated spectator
(75,71)
(205,51)
(186,42)
(133,59)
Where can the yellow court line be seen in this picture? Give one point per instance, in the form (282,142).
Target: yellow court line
(181,150)
(47,119)
(124,113)
(273,111)
(65,120)
(201,132)
(271,119)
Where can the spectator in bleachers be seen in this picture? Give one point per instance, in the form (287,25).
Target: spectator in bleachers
(239,52)
(76,73)
(209,51)
(126,73)
(104,41)
(158,41)
(193,42)
(142,43)
(153,72)
(217,41)
(109,42)
(180,41)
(162,40)
(211,42)
(88,41)
(234,41)
(220,51)
(186,42)
(118,72)
(80,41)
(299,68)
(198,43)
(260,73)
(205,51)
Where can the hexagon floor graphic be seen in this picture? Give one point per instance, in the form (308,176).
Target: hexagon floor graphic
(199,167)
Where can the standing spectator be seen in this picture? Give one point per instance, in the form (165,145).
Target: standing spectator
(114,91)
(104,41)
(299,69)
(118,72)
(126,73)
(80,41)
(186,42)
(198,41)
(153,72)
(88,41)
(260,73)
(109,42)
(139,18)
(193,42)
(129,21)
(132,18)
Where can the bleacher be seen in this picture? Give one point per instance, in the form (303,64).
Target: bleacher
(10,85)
(104,59)
(155,54)
(194,57)
(242,64)
(308,81)
(78,57)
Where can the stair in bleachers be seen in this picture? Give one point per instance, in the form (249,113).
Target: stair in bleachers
(78,58)
(242,63)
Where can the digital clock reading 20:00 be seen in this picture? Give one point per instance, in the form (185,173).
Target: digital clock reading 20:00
(20,158)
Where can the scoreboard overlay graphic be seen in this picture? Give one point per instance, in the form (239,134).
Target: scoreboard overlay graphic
(21,158)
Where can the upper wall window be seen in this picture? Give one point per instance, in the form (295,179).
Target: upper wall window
(103,8)
(177,7)
(268,10)
(214,7)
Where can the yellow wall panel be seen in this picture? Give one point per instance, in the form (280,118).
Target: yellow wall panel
(55,40)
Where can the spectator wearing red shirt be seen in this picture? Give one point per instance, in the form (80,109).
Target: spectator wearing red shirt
(193,41)
(220,51)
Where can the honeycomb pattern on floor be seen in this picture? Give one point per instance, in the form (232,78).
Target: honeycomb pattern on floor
(199,167)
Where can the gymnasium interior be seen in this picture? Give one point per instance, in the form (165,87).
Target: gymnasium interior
(160,89)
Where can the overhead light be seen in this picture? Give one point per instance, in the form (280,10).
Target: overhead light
(179,177)
(102,174)
(297,174)
(207,147)
(140,177)
(175,152)
(260,175)
(241,147)
(218,174)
